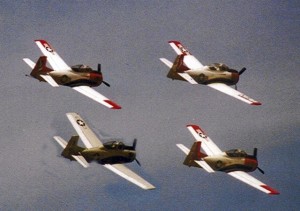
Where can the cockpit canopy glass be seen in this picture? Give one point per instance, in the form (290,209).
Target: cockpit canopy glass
(114,145)
(81,68)
(218,67)
(236,153)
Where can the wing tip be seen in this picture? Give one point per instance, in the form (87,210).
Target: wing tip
(174,41)
(40,40)
(256,103)
(272,191)
(195,127)
(113,104)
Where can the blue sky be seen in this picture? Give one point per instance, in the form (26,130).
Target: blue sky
(128,38)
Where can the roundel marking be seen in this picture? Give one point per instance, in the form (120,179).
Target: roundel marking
(202,135)
(80,122)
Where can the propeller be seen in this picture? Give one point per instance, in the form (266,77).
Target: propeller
(99,68)
(107,84)
(99,71)
(261,171)
(138,162)
(133,148)
(242,71)
(134,143)
(255,152)
(255,155)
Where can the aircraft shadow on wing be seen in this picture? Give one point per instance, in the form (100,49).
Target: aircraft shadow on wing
(234,162)
(217,76)
(112,154)
(79,77)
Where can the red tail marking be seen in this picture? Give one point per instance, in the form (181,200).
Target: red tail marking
(199,153)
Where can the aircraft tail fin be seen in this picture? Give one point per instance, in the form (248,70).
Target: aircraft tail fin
(177,67)
(195,154)
(40,67)
(70,148)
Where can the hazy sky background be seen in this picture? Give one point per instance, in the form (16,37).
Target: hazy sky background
(128,38)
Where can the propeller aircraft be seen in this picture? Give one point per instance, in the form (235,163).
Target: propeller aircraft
(79,77)
(234,162)
(217,76)
(112,154)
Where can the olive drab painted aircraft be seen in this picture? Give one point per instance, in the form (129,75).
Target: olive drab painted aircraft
(112,154)
(235,162)
(79,77)
(217,76)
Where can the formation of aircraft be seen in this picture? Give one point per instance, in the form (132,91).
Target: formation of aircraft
(114,154)
(79,77)
(111,155)
(234,162)
(217,76)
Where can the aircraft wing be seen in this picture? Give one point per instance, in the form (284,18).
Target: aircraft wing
(87,136)
(246,178)
(91,93)
(234,93)
(129,175)
(190,61)
(53,58)
(208,145)
(188,78)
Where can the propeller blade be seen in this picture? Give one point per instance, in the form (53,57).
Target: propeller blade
(261,170)
(138,162)
(255,152)
(99,68)
(242,70)
(134,144)
(107,84)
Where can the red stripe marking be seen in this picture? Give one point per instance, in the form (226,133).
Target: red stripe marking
(197,128)
(273,191)
(256,103)
(114,105)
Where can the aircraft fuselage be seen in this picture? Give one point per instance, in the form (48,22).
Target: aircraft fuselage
(72,78)
(227,164)
(108,156)
(207,75)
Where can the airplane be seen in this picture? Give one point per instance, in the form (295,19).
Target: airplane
(79,77)
(217,76)
(234,162)
(112,154)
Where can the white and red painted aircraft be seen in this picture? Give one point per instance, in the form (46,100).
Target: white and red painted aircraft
(235,162)
(217,76)
(79,77)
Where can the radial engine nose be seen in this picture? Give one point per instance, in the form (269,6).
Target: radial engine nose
(251,162)
(235,77)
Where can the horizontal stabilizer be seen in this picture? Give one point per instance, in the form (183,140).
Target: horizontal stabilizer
(29,62)
(166,62)
(61,141)
(183,148)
